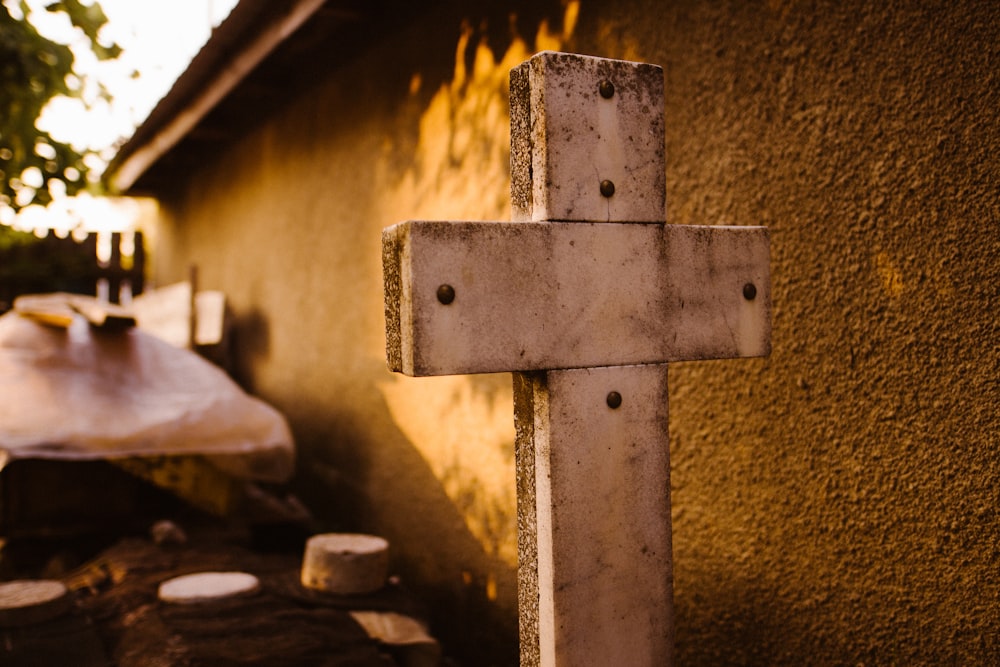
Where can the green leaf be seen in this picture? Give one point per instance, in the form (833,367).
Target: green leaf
(90,19)
(33,70)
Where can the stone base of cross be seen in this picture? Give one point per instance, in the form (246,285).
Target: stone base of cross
(585,298)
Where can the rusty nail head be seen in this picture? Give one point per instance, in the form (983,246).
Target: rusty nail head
(749,291)
(614,400)
(607,188)
(446,294)
(607,89)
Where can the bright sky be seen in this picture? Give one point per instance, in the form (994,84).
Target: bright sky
(158,38)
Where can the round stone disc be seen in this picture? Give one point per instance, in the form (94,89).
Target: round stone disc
(208,586)
(25,602)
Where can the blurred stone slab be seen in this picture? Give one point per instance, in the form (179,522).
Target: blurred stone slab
(166,313)
(26,602)
(79,394)
(407,637)
(208,587)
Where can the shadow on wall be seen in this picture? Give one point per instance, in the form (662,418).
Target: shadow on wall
(367,475)
(759,627)
(251,341)
(464,130)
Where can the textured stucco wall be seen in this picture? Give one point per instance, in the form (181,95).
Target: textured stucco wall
(836,503)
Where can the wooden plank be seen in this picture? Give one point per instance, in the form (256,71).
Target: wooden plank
(103,314)
(49,309)
(190,478)
(533,296)
(57,309)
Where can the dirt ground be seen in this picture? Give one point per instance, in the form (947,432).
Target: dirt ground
(117,619)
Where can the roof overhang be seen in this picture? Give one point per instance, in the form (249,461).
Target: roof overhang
(260,57)
(253,59)
(252,31)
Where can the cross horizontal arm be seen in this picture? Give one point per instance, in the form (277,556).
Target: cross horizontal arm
(483,297)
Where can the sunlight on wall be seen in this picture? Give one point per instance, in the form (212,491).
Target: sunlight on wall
(889,274)
(466,434)
(463,426)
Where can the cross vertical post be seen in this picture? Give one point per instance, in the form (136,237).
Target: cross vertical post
(595,568)
(585,297)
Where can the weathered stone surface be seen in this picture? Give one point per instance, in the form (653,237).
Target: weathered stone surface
(595,581)
(531,296)
(567,137)
(585,297)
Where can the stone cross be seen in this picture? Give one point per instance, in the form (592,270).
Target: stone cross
(585,297)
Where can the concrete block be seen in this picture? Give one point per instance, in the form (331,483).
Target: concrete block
(532,296)
(595,582)
(577,121)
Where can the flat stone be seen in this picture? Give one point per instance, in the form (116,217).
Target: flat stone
(389,627)
(414,646)
(207,587)
(26,602)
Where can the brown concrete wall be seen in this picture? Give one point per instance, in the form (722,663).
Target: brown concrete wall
(836,503)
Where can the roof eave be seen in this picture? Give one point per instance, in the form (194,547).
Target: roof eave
(236,47)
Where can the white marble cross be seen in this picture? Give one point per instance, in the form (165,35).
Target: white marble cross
(585,298)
